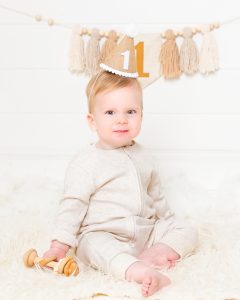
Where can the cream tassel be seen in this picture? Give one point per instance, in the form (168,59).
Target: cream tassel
(109,45)
(209,59)
(169,57)
(93,53)
(189,56)
(76,53)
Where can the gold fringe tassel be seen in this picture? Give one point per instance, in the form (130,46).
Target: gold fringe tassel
(169,57)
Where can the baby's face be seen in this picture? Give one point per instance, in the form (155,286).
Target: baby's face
(117,116)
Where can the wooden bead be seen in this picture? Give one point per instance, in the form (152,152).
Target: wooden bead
(198,29)
(211,26)
(50,22)
(38,18)
(216,25)
(194,30)
(84,30)
(89,31)
(163,35)
(81,31)
(102,33)
(178,33)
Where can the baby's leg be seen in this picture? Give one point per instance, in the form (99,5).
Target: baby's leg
(151,280)
(159,255)
(169,232)
(102,251)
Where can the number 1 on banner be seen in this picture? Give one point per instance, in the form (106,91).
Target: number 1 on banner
(140,59)
(126,55)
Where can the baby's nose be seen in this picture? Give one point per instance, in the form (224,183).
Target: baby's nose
(122,119)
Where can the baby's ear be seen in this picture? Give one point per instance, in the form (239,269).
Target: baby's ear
(91,121)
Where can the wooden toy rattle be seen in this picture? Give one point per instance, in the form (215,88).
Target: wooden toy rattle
(66,266)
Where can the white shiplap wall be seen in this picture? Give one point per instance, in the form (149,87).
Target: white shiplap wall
(192,123)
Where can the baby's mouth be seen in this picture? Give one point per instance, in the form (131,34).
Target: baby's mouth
(121,131)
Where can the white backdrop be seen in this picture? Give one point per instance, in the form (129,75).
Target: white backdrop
(192,124)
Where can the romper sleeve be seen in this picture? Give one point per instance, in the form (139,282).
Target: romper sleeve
(78,186)
(178,234)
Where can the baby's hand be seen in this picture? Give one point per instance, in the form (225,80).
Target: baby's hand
(57,249)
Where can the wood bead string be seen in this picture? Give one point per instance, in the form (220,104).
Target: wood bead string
(195,30)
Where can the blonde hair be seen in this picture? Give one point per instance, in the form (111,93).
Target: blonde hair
(106,81)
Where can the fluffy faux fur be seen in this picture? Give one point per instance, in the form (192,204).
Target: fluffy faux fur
(27,210)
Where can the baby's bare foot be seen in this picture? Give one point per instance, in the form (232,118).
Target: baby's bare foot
(160,256)
(153,281)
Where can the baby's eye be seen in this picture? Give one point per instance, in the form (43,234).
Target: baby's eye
(109,112)
(132,111)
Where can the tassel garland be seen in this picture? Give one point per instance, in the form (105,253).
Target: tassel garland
(172,61)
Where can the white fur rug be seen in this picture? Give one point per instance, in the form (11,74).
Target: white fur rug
(27,210)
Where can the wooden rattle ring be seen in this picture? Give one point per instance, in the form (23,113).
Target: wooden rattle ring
(29,258)
(66,269)
(63,264)
(74,270)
